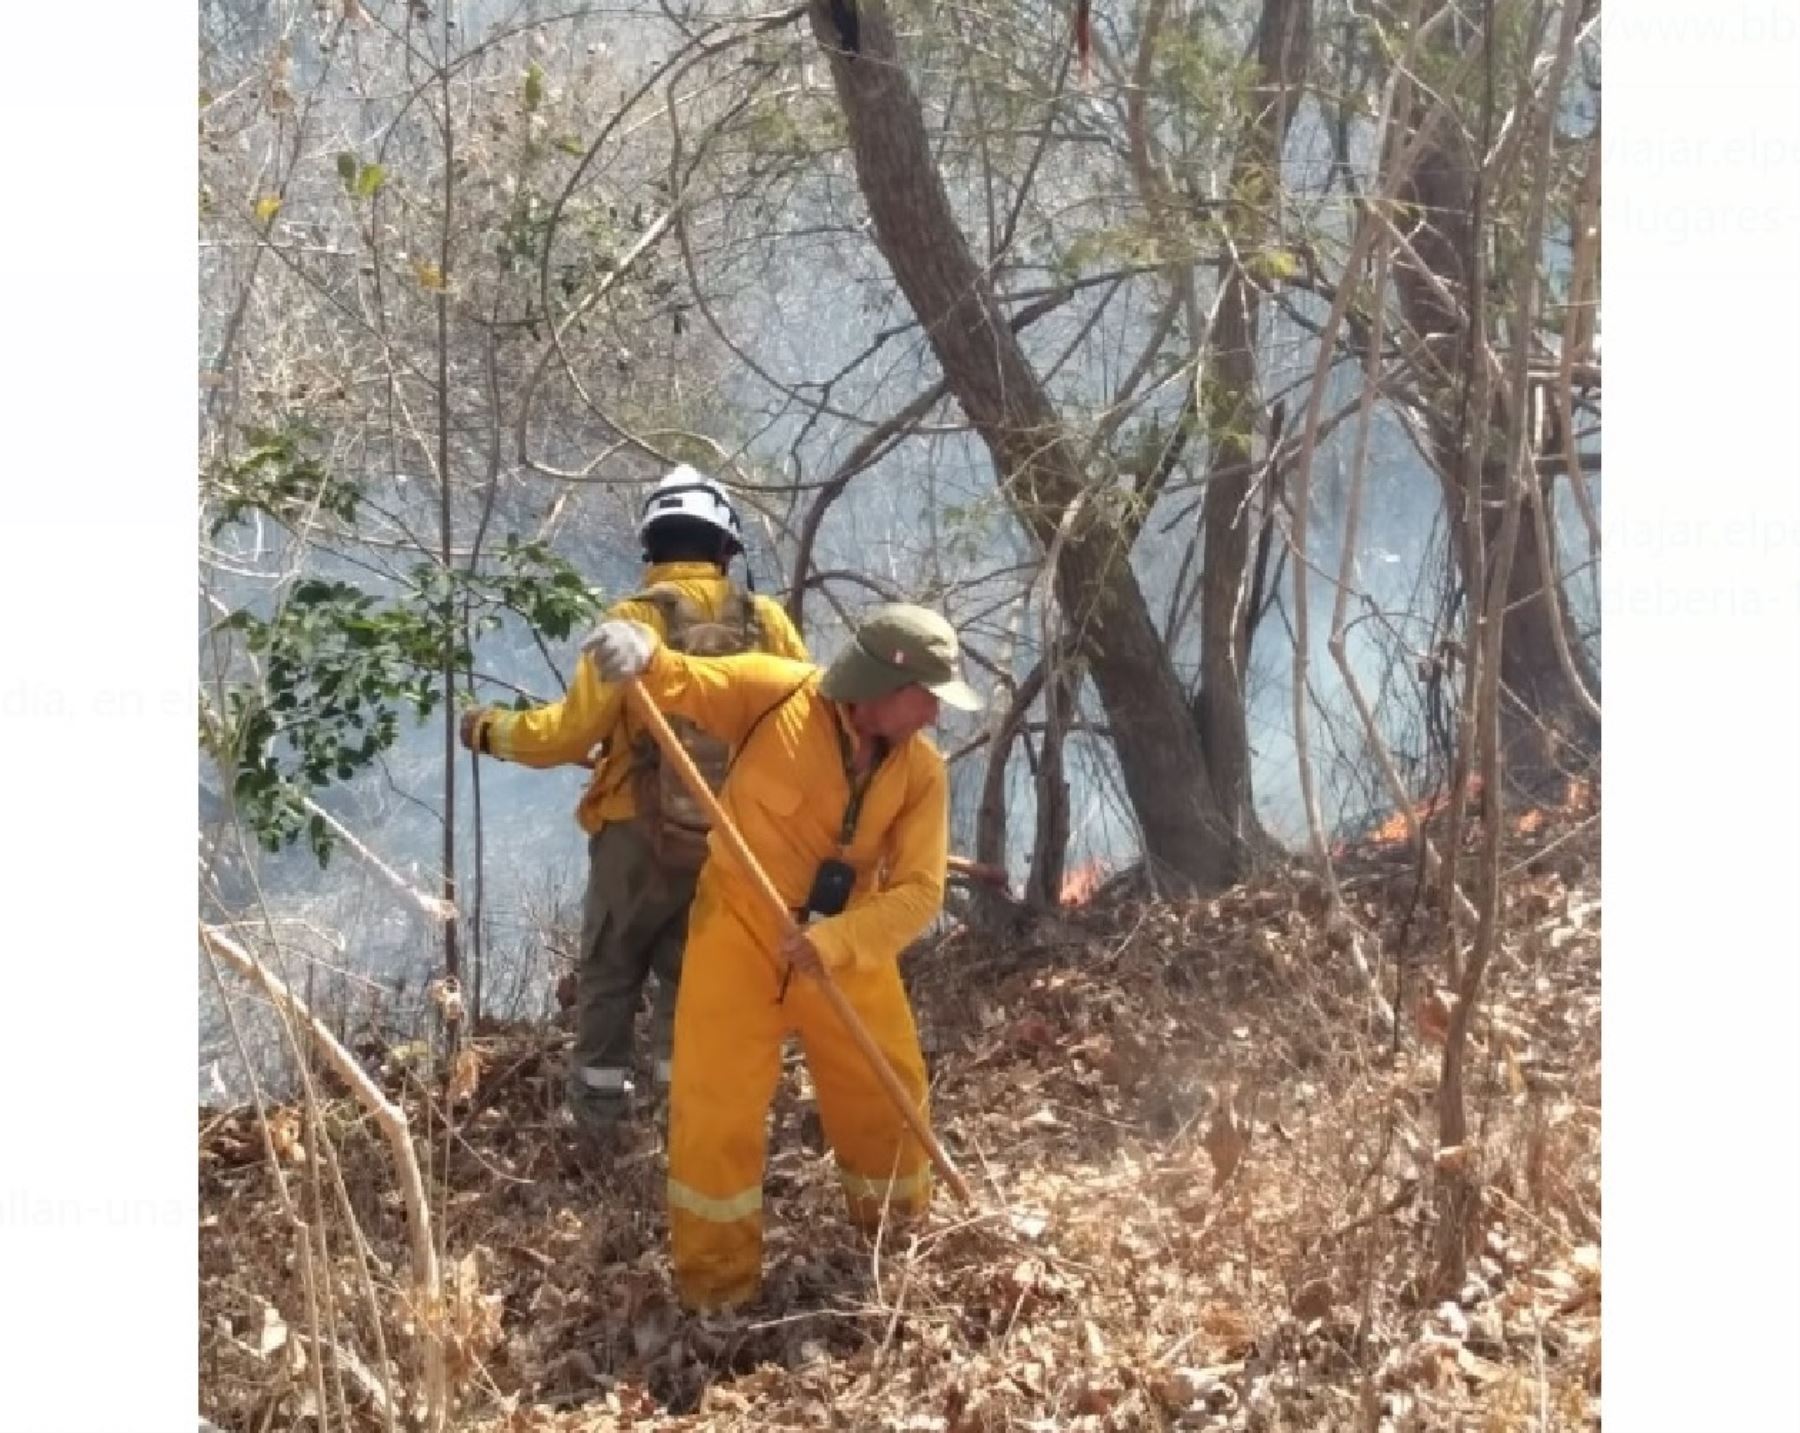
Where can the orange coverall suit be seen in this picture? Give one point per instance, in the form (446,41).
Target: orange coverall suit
(634,913)
(787,794)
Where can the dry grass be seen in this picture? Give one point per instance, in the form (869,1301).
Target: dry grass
(1206,1200)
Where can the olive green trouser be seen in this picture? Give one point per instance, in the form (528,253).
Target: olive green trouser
(633,924)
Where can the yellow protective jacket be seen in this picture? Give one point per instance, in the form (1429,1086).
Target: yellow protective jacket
(787,793)
(593,712)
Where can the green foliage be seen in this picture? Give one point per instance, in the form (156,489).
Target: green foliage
(534,87)
(773,128)
(267,800)
(360,180)
(541,588)
(1123,244)
(778,129)
(969,532)
(1273,265)
(592,239)
(338,668)
(1202,72)
(1143,446)
(1230,417)
(1442,67)
(278,474)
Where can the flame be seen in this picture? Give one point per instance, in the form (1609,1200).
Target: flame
(1079,885)
(1394,831)
(1395,828)
(1578,796)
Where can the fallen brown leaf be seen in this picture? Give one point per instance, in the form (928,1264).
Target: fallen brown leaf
(1226,1140)
(1314,1299)
(1432,1015)
(465,1075)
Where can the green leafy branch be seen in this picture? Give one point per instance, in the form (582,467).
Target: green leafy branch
(279,474)
(340,667)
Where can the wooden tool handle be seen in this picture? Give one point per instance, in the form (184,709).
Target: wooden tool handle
(978,871)
(676,754)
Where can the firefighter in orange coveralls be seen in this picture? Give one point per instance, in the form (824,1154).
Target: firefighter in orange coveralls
(844,801)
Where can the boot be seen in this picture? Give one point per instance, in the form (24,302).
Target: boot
(596,1111)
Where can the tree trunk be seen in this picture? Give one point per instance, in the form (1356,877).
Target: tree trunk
(1230,404)
(990,815)
(1050,844)
(1188,842)
(1546,728)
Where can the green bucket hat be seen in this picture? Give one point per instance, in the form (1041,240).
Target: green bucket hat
(899,646)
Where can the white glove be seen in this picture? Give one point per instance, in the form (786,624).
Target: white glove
(620,649)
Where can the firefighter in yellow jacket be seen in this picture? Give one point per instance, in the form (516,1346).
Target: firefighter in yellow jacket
(639,888)
(844,801)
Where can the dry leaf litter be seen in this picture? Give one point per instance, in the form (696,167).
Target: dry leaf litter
(1205,1170)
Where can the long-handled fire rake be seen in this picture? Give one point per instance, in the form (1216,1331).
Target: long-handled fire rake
(676,754)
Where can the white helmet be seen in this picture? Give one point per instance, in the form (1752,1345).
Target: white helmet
(685,493)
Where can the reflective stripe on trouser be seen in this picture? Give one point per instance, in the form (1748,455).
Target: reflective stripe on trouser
(874,1200)
(633,924)
(729,1030)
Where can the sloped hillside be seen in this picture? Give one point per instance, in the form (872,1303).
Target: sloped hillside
(1205,1171)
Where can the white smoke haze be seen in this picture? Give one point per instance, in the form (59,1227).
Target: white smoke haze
(793,346)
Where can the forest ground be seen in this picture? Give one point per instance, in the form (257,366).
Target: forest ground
(1205,1177)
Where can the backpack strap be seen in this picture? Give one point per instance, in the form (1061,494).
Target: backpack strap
(677,613)
(739,610)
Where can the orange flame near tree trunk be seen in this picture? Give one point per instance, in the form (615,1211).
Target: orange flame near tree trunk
(1079,885)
